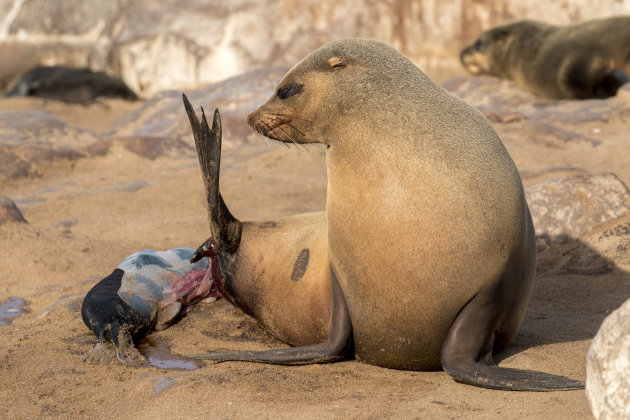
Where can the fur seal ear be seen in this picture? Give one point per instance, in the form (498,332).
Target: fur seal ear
(336,62)
(224,227)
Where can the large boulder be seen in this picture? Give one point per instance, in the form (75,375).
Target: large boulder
(569,207)
(608,367)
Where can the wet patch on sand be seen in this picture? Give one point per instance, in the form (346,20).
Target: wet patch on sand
(158,354)
(12,308)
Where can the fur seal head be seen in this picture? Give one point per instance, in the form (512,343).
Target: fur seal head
(492,52)
(351,79)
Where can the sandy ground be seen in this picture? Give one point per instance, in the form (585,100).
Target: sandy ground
(86,216)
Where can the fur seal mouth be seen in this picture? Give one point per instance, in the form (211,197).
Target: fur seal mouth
(280,127)
(474,62)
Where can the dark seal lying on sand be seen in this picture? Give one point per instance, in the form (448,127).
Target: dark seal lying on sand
(148,291)
(70,85)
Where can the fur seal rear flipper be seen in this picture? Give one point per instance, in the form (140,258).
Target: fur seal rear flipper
(227,230)
(224,227)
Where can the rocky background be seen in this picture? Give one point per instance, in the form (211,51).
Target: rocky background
(84,186)
(177,44)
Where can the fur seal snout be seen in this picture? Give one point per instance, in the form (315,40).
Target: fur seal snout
(586,60)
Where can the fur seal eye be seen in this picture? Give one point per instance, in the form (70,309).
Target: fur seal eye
(478,45)
(290,90)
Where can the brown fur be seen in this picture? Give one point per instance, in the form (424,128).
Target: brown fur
(425,208)
(295,310)
(587,60)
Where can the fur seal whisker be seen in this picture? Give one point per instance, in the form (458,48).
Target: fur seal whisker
(273,122)
(287,135)
(291,125)
(292,117)
(276,130)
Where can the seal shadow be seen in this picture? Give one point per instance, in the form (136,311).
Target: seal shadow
(576,288)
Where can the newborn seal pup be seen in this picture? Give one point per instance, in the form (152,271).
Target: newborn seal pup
(429,242)
(148,291)
(587,60)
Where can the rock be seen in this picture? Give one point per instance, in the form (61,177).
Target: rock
(571,206)
(161,384)
(149,147)
(155,46)
(9,211)
(236,97)
(11,308)
(160,127)
(607,367)
(613,239)
(31,138)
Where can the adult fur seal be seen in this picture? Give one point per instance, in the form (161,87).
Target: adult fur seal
(429,243)
(587,60)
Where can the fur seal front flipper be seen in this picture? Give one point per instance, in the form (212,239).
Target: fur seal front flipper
(480,328)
